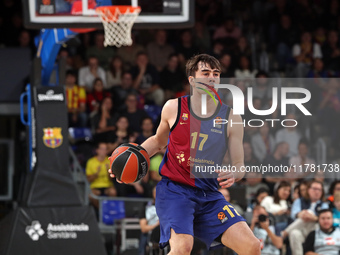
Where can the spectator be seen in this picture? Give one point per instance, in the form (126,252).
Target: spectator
(301,190)
(226,65)
(103,122)
(320,35)
(76,101)
(331,51)
(103,54)
(242,49)
(114,74)
(336,209)
(324,240)
(329,109)
(261,192)
(317,70)
(121,91)
(263,143)
(149,225)
(146,79)
(226,194)
(89,73)
(97,175)
(289,135)
(96,96)
(133,114)
(121,134)
(201,36)
(279,203)
(218,49)
(244,71)
(147,130)
(283,40)
(304,213)
(159,50)
(304,53)
(301,161)
(249,159)
(264,229)
(262,88)
(335,187)
(228,29)
(25,41)
(129,53)
(278,158)
(172,77)
(186,49)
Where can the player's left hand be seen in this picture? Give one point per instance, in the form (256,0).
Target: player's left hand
(226,179)
(113,176)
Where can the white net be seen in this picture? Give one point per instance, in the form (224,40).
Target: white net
(118,24)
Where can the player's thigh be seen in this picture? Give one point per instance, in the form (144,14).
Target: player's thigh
(241,239)
(181,243)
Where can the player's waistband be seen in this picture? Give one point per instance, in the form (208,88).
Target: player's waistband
(189,187)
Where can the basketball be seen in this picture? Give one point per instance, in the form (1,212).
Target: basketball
(129,162)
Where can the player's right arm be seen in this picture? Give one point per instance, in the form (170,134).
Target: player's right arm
(158,141)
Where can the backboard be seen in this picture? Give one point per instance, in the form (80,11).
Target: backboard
(81,13)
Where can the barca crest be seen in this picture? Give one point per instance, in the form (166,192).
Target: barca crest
(185,116)
(52,137)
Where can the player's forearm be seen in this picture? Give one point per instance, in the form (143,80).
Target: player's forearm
(239,174)
(153,145)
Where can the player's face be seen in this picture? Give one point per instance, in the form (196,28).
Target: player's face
(207,75)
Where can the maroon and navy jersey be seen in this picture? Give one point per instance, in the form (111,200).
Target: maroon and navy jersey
(195,144)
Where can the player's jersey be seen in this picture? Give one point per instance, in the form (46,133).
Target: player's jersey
(195,147)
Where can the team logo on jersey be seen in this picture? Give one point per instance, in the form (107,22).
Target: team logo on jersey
(218,122)
(180,157)
(52,137)
(222,217)
(185,116)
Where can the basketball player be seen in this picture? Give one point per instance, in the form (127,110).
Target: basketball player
(188,206)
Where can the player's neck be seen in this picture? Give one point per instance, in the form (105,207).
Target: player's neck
(196,105)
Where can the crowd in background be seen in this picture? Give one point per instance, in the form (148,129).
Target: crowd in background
(118,93)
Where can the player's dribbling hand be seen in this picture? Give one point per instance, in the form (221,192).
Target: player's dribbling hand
(225,179)
(113,176)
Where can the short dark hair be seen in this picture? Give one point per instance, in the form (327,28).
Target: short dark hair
(71,72)
(141,53)
(192,64)
(303,141)
(324,211)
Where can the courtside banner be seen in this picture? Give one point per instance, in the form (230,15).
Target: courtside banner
(290,127)
(53,231)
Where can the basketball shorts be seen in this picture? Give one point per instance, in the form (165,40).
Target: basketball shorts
(189,210)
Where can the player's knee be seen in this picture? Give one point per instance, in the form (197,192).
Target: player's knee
(254,246)
(181,249)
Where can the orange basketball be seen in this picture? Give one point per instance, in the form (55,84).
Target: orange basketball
(129,162)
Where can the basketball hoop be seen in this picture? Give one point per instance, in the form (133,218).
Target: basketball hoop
(118,21)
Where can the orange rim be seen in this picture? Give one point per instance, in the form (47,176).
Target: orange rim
(82,30)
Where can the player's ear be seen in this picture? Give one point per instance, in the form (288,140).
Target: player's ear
(191,80)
